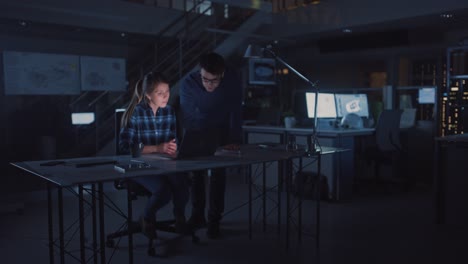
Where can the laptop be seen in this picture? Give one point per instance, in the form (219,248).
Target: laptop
(195,143)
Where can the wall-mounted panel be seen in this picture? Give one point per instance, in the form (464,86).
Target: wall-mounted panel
(102,74)
(27,73)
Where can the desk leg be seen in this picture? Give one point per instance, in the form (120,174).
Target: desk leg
(317,208)
(50,223)
(337,174)
(61,232)
(81,216)
(299,201)
(439,184)
(93,209)
(129,221)
(288,207)
(278,192)
(101,222)
(249,172)
(264,197)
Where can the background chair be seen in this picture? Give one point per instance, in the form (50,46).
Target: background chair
(385,149)
(135,191)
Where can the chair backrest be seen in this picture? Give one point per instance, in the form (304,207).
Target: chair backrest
(136,189)
(408,118)
(387,132)
(179,125)
(118,117)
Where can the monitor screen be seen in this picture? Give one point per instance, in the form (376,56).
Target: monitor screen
(427,95)
(326,107)
(352,103)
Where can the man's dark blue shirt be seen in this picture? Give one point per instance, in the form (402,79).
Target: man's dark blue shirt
(219,110)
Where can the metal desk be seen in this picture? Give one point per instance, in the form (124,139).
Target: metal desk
(66,176)
(340,168)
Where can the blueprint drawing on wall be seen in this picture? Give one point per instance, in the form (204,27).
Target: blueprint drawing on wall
(27,73)
(102,74)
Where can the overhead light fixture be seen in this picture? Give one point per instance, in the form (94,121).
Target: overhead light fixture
(446,15)
(347,30)
(23,23)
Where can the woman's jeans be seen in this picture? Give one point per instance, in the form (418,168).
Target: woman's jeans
(162,188)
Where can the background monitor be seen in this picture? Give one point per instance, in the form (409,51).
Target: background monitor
(262,71)
(326,107)
(300,109)
(427,95)
(352,103)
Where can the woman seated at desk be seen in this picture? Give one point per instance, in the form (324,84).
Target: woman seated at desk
(151,121)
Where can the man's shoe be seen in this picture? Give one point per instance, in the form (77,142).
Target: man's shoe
(196,222)
(148,228)
(213,231)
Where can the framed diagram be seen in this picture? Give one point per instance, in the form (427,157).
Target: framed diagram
(102,74)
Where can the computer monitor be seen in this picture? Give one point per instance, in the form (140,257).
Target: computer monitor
(352,103)
(427,95)
(326,107)
(300,109)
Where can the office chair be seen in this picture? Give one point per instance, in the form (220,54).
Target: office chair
(136,190)
(386,149)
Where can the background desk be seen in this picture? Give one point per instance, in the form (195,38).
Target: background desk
(339,169)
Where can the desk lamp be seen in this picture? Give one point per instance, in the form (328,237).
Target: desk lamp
(255,51)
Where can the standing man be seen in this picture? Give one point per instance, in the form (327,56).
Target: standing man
(210,100)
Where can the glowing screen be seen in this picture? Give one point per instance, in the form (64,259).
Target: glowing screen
(352,103)
(326,107)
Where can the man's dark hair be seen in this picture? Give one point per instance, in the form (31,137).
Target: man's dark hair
(212,63)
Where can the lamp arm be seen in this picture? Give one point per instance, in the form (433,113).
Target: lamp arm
(313,84)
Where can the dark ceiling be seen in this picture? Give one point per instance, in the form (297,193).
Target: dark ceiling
(25,28)
(430,28)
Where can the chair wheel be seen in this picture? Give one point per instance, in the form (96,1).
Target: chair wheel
(110,243)
(151,251)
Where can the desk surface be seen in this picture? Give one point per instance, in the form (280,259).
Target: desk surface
(309,131)
(462,138)
(68,175)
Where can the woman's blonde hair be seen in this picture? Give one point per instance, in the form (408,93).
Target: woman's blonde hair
(142,87)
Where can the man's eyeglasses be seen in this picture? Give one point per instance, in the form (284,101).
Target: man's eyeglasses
(210,81)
